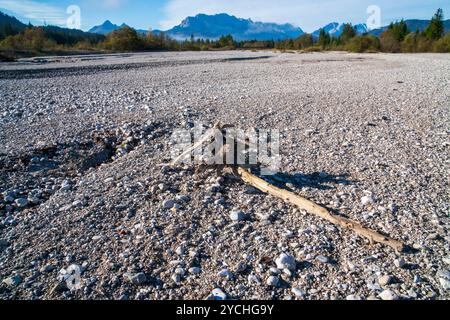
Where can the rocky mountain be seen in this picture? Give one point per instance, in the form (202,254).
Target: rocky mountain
(108,27)
(214,26)
(335,29)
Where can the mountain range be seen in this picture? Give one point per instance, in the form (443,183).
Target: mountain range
(214,26)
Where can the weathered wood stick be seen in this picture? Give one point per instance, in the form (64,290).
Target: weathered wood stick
(317,210)
(208,135)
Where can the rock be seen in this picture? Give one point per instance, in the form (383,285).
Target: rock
(3,244)
(273,281)
(21,202)
(183,198)
(225,274)
(218,294)
(136,279)
(446,260)
(388,295)
(66,185)
(285,261)
(443,274)
(323,259)
(237,216)
(367,200)
(445,283)
(13,281)
(176,278)
(180,271)
(400,263)
(169,204)
(47,268)
(385,280)
(353,297)
(59,288)
(299,293)
(180,251)
(9,199)
(195,270)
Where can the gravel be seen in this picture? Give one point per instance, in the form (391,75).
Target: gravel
(85,143)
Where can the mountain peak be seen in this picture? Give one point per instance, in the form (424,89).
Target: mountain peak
(217,25)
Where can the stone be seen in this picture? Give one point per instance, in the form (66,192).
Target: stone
(218,294)
(273,281)
(443,274)
(195,270)
(445,283)
(285,261)
(388,295)
(169,204)
(385,280)
(367,200)
(299,293)
(353,297)
(13,281)
(446,260)
(136,279)
(400,263)
(176,278)
(323,259)
(21,202)
(237,216)
(225,273)
(47,268)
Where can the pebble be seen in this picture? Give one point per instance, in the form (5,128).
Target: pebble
(273,281)
(323,259)
(21,202)
(195,270)
(285,261)
(218,294)
(237,216)
(400,263)
(47,268)
(367,200)
(388,295)
(169,204)
(385,280)
(136,279)
(299,293)
(225,274)
(13,281)
(353,297)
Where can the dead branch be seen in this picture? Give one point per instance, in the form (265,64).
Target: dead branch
(317,210)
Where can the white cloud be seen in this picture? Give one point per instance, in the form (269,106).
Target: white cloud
(36,11)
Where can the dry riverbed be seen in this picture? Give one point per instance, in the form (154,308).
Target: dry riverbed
(89,210)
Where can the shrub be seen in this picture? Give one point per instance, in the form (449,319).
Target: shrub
(362,44)
(443,44)
(388,41)
(124,39)
(33,39)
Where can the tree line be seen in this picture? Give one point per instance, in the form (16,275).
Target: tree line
(396,38)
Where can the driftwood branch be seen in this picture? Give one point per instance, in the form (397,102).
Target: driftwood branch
(285,195)
(317,210)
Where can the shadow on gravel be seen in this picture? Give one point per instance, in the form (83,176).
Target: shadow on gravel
(59,72)
(316,180)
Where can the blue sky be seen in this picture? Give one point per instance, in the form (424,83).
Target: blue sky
(164,14)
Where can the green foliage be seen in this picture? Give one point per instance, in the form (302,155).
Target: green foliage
(362,44)
(324,39)
(389,42)
(348,33)
(443,44)
(31,39)
(398,30)
(226,42)
(123,39)
(435,30)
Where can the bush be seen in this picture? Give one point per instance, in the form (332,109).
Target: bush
(124,39)
(362,44)
(443,44)
(388,42)
(32,39)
